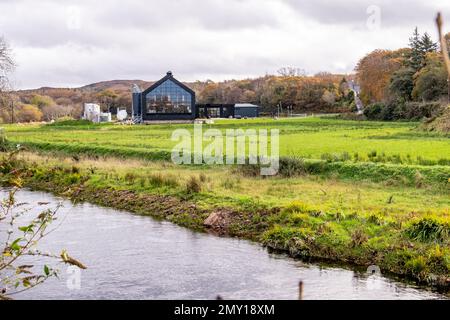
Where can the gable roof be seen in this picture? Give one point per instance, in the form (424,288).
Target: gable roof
(246,105)
(169,76)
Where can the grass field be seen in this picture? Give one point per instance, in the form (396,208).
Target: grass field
(361,192)
(311,138)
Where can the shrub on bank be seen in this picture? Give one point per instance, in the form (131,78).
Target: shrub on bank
(399,110)
(429,229)
(193,185)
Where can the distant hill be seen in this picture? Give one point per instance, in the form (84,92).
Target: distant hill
(116,85)
(91,93)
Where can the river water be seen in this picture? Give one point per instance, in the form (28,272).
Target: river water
(137,257)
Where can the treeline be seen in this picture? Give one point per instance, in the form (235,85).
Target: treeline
(291,91)
(37,108)
(409,83)
(48,104)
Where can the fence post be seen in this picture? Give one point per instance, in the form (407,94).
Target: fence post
(300,290)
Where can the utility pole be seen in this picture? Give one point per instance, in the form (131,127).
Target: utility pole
(448,86)
(12,110)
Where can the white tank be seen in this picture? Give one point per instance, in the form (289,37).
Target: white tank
(122,115)
(92,112)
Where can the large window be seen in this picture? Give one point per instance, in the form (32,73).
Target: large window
(214,112)
(169,98)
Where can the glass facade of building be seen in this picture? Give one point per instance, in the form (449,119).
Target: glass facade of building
(168,97)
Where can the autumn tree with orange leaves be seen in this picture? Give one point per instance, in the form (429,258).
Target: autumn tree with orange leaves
(374,73)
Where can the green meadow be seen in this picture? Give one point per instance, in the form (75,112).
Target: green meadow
(310,138)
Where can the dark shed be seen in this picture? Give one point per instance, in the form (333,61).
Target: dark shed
(246,110)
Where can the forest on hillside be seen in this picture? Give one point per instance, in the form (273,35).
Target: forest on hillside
(408,83)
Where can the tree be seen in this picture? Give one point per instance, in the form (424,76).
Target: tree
(6,64)
(28,113)
(6,67)
(427,45)
(42,101)
(415,57)
(329,97)
(420,47)
(374,73)
(291,72)
(431,80)
(402,83)
(54,112)
(210,93)
(107,98)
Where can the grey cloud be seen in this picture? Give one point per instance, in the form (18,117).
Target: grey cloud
(194,38)
(213,14)
(354,12)
(47,23)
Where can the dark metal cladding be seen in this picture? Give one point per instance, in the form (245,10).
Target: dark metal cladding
(172,100)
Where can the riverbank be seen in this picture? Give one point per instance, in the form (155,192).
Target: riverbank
(202,265)
(402,230)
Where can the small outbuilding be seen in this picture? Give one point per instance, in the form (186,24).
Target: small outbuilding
(246,110)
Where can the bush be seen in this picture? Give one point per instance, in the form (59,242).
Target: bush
(399,110)
(373,111)
(4,143)
(292,166)
(359,237)
(193,185)
(429,229)
(28,113)
(158,181)
(130,177)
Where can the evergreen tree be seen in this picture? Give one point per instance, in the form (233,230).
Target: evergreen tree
(427,45)
(415,57)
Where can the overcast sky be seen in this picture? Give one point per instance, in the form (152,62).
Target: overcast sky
(73,43)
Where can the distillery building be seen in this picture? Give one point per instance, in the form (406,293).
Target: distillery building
(170,99)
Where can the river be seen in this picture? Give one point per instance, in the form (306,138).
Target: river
(137,257)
